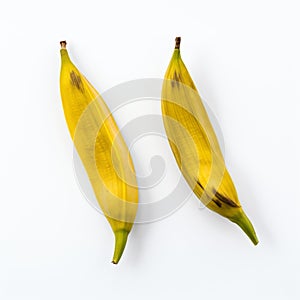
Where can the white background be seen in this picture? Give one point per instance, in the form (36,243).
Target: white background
(244,57)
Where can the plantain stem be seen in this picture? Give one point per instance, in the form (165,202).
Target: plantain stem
(177,42)
(120,243)
(63,44)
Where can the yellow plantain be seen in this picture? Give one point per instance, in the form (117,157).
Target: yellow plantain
(195,145)
(102,151)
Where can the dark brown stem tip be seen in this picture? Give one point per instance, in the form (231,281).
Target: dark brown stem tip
(63,44)
(177,42)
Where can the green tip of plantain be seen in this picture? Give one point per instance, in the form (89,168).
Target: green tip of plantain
(245,224)
(120,243)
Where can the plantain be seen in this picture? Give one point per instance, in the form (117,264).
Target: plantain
(101,149)
(195,145)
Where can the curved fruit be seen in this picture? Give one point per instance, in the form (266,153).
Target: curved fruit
(102,151)
(195,145)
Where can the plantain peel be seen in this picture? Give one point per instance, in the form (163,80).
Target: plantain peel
(195,145)
(102,151)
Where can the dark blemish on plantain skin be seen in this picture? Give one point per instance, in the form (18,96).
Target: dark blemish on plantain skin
(175,80)
(225,200)
(220,198)
(176,77)
(200,185)
(217,202)
(76,81)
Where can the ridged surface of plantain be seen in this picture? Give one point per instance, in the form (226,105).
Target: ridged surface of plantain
(101,149)
(195,145)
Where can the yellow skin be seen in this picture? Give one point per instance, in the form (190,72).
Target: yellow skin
(195,145)
(102,150)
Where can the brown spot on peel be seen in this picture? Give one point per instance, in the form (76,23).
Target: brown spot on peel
(175,80)
(219,198)
(225,200)
(76,81)
(200,185)
(217,202)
